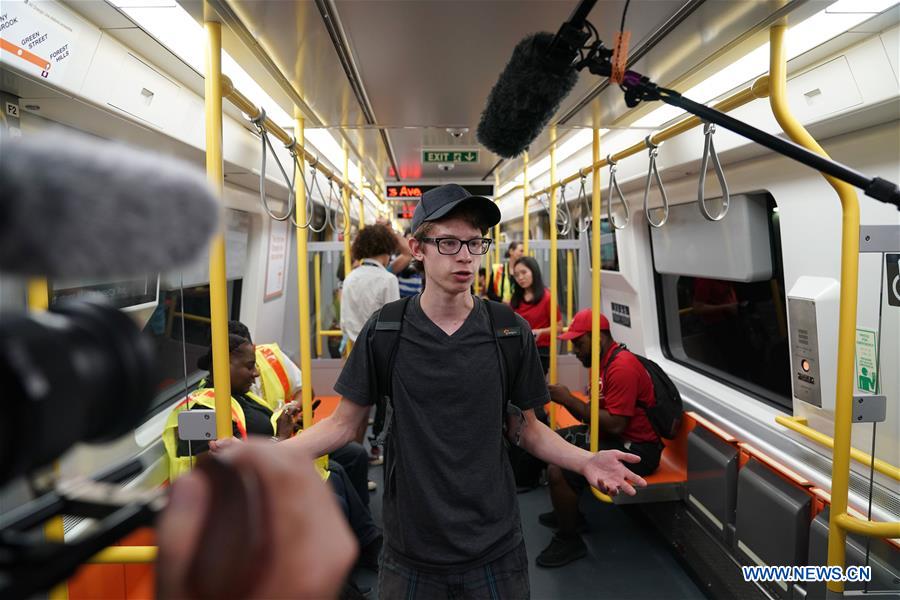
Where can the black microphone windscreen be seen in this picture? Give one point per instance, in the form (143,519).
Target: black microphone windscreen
(525,97)
(76,206)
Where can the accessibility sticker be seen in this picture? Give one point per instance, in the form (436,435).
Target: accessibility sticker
(866,361)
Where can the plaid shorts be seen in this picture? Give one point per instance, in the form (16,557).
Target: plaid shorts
(506,578)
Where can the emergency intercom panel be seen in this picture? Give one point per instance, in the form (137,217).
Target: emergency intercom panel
(813,305)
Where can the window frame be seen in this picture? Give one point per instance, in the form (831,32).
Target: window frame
(781,403)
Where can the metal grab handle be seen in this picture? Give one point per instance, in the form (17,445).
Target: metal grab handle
(709,150)
(654,172)
(614,187)
(564,214)
(586,210)
(562,219)
(259,121)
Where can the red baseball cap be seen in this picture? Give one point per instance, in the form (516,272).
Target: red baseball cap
(581,324)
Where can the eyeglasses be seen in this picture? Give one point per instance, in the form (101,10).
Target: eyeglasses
(451,246)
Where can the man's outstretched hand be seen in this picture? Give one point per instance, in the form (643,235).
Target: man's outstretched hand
(605,471)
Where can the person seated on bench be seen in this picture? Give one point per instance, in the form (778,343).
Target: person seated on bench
(625,385)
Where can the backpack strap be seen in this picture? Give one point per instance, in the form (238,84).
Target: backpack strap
(508,339)
(383,340)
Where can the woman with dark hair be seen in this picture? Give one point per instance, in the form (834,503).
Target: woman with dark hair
(531,300)
(251,416)
(501,284)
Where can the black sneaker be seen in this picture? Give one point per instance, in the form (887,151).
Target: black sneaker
(549,519)
(562,551)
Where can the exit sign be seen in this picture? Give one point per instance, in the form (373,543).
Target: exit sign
(449,156)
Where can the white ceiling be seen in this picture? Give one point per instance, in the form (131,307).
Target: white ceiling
(425,65)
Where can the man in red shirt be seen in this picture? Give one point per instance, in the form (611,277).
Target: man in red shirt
(625,386)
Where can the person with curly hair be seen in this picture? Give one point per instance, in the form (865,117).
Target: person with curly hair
(369,286)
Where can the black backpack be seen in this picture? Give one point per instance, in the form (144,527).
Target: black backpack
(384,338)
(665,415)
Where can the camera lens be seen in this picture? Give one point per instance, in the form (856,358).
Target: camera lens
(81,372)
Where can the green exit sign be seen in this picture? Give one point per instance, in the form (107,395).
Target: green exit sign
(449,156)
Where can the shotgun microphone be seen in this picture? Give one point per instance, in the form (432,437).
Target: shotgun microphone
(74,206)
(541,72)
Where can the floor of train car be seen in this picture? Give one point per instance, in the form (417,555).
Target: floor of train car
(626,558)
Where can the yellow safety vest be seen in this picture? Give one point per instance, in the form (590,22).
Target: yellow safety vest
(273,376)
(500,283)
(179,465)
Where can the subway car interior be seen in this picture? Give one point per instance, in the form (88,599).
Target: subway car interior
(173,165)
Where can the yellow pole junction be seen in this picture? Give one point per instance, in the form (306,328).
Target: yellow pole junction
(218,286)
(839,520)
(54,531)
(595,301)
(525,204)
(554,276)
(303,284)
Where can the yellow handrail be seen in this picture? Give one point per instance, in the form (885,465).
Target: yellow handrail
(251,110)
(218,286)
(757,89)
(839,521)
(798,424)
(302,234)
(595,300)
(331,333)
(54,531)
(570,293)
(554,276)
(868,528)
(317,275)
(526,234)
(125,555)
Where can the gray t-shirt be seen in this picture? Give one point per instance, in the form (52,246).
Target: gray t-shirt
(449,497)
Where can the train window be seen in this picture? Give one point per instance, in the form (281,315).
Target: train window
(181,334)
(609,252)
(734,331)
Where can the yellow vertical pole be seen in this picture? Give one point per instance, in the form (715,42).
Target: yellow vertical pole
(218,286)
(345,202)
(39,301)
(345,199)
(497,226)
(570,292)
(303,284)
(595,292)
(843,403)
(554,274)
(362,207)
(525,203)
(317,267)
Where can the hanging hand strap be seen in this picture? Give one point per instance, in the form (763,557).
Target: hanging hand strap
(264,136)
(613,190)
(709,150)
(585,207)
(652,173)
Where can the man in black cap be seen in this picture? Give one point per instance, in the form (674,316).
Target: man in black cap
(451,520)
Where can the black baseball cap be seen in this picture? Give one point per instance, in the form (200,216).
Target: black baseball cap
(440,201)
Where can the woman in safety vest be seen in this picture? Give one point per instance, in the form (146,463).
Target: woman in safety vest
(500,286)
(250,414)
